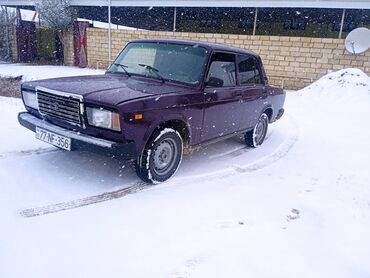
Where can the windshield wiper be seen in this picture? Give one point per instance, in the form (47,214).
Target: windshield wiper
(154,70)
(123,67)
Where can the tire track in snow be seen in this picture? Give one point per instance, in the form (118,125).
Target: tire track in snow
(242,149)
(107,196)
(281,151)
(28,152)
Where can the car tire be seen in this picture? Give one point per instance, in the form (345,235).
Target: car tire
(161,157)
(256,136)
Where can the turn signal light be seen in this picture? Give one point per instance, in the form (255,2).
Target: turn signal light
(116,125)
(138,116)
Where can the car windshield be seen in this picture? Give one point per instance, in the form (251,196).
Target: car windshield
(165,61)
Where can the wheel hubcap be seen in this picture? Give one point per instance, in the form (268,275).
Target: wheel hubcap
(259,131)
(165,156)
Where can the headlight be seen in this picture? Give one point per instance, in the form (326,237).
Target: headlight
(104,118)
(30,99)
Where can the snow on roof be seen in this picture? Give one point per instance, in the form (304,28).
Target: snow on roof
(105,25)
(350,4)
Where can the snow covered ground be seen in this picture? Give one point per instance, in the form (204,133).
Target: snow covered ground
(36,72)
(299,206)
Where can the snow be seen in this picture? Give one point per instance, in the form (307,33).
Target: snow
(26,15)
(105,25)
(36,72)
(298,206)
(339,85)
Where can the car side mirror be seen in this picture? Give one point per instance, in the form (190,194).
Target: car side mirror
(214,82)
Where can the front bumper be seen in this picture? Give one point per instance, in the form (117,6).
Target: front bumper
(81,141)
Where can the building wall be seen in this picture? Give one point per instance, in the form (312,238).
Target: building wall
(68,47)
(13,44)
(290,61)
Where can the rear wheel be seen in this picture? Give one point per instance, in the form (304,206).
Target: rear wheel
(161,157)
(256,136)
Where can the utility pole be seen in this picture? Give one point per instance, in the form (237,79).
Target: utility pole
(174,19)
(342,23)
(255,21)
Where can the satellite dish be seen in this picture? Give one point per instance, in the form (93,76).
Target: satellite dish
(358,40)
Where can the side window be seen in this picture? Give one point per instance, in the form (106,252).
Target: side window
(248,70)
(222,70)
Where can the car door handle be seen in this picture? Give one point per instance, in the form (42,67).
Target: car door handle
(239,94)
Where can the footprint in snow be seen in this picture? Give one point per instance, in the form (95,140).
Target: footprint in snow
(188,268)
(294,215)
(231,224)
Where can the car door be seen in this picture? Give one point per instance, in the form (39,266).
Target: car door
(252,89)
(222,106)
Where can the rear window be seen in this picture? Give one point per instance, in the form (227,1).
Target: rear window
(248,70)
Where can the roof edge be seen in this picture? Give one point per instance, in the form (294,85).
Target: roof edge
(328,4)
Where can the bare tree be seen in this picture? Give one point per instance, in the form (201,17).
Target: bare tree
(57,14)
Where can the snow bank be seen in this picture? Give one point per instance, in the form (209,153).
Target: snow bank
(36,72)
(343,84)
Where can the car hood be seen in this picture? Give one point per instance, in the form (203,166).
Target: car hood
(109,89)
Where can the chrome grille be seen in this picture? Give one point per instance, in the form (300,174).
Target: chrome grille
(62,107)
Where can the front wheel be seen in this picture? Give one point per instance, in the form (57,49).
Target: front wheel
(256,136)
(161,157)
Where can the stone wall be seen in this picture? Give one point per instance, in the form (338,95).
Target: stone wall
(290,61)
(13,44)
(68,47)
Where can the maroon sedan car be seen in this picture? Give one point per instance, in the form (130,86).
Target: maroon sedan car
(158,98)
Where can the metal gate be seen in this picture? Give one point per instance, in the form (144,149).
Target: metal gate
(79,43)
(26,40)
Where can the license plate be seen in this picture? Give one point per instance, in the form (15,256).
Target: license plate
(53,138)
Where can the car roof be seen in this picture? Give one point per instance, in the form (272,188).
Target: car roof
(207,45)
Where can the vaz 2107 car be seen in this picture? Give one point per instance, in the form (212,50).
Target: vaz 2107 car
(158,98)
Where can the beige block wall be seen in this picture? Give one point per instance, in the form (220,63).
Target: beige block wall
(13,44)
(294,62)
(68,47)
